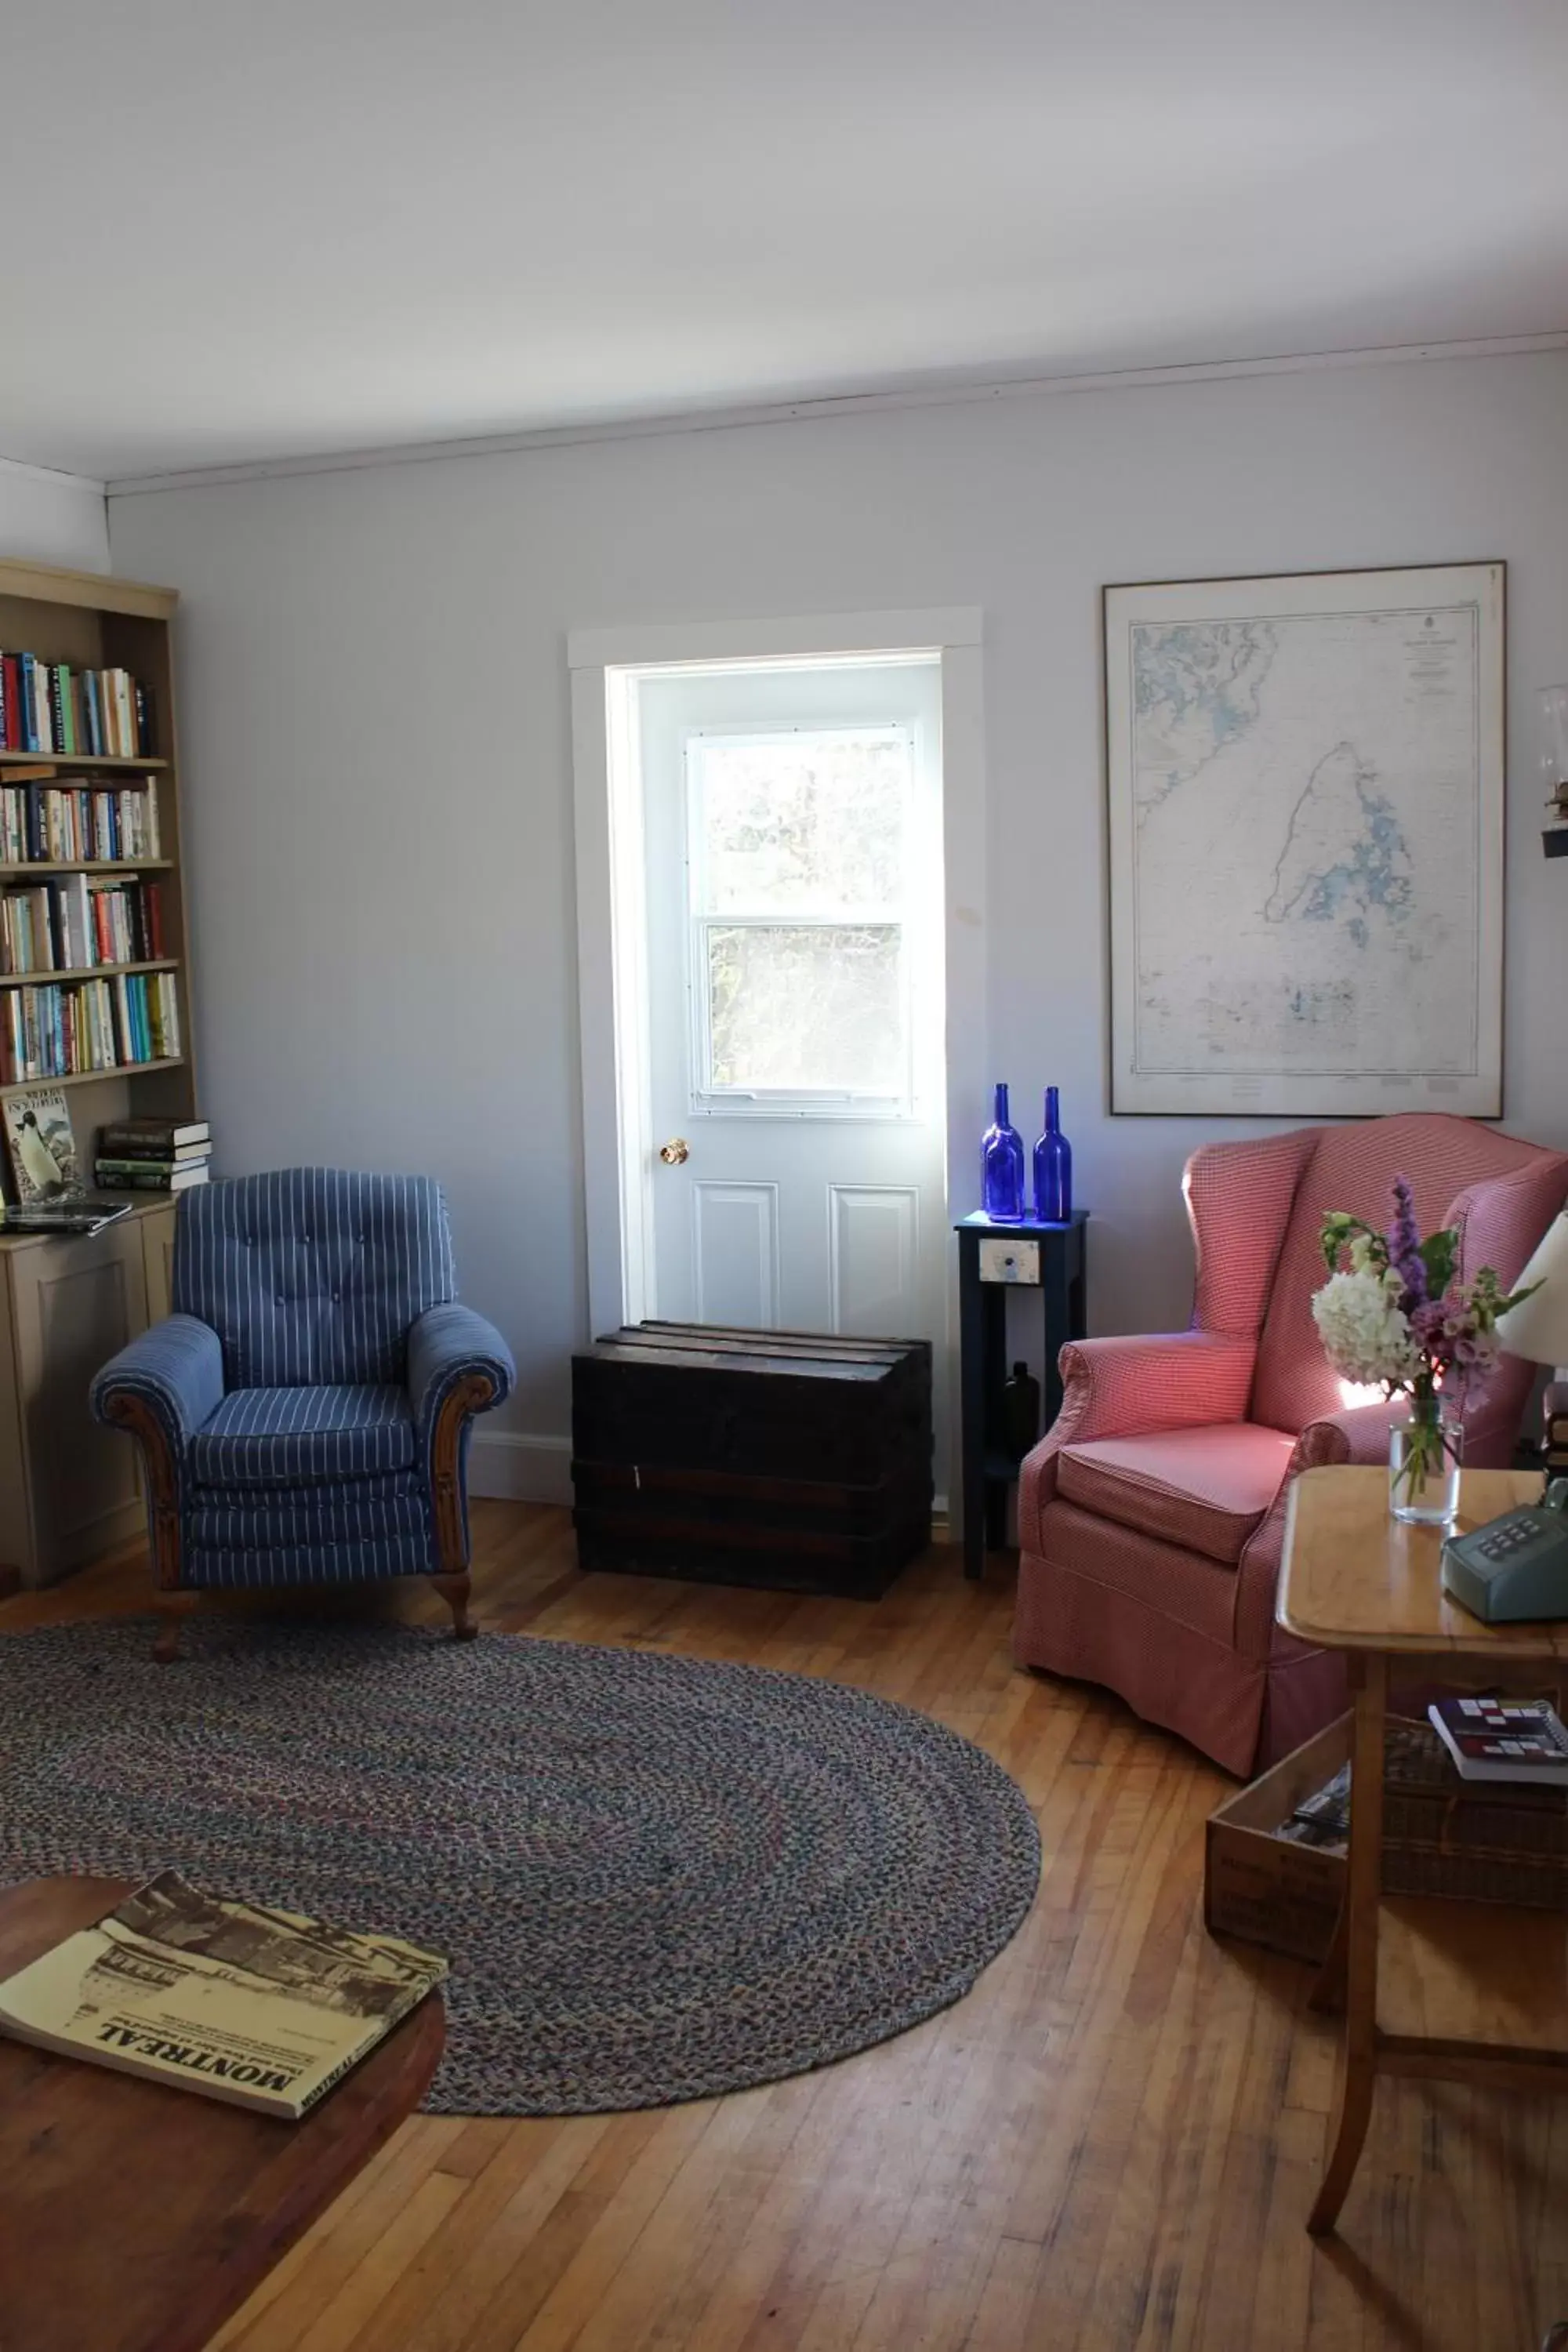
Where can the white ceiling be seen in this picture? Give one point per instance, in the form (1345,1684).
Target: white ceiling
(236,230)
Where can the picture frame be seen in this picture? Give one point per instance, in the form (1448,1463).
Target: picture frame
(39,1139)
(1304,778)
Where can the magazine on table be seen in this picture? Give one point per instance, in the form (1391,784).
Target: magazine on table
(265,2008)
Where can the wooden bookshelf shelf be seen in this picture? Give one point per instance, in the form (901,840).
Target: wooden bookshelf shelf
(73,761)
(85,971)
(97,1077)
(88,866)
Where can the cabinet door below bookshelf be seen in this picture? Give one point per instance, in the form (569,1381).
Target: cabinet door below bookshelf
(158,1248)
(68,1488)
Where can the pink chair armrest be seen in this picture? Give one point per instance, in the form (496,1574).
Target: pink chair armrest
(1127,1387)
(1358,1434)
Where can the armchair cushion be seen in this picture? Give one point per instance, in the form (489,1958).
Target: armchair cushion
(175,1368)
(300,1437)
(1205,1488)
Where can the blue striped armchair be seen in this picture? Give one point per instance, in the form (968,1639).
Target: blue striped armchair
(304,1413)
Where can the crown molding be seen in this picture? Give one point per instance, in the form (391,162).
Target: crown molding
(812,410)
(55,478)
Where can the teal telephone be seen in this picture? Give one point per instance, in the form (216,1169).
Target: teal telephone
(1515,1566)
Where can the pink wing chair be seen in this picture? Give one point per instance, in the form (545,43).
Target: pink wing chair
(1152,1516)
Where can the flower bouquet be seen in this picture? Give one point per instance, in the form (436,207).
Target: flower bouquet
(1393,1311)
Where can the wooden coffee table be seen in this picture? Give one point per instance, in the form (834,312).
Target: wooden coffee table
(1473,1991)
(135,2218)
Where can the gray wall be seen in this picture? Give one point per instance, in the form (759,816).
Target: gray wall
(52,518)
(378,754)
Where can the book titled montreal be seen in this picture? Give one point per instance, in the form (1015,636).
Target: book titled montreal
(264,2009)
(1519,1739)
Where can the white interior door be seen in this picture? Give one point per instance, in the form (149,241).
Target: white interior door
(791,819)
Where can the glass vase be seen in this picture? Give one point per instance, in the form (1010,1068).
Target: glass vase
(1053,1167)
(1426,1455)
(1002,1167)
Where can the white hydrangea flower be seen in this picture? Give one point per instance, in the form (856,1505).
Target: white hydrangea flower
(1363,1329)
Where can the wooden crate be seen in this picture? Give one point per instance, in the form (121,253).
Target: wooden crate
(1270,1890)
(796,1461)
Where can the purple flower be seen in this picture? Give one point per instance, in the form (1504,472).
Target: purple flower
(1405,1247)
(1429,1323)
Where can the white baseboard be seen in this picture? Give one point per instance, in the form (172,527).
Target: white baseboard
(519,1469)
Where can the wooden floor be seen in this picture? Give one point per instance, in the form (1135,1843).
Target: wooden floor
(1111,2143)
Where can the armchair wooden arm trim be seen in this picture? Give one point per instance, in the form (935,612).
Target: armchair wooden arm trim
(470,1395)
(134,1414)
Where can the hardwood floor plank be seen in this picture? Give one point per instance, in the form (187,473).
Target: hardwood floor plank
(1110,2144)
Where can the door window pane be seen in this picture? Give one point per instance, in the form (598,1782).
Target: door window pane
(811,822)
(808,1007)
(799,844)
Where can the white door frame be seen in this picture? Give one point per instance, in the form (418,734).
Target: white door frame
(617,1136)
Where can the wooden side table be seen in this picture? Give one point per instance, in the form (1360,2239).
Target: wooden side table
(135,2217)
(1058,1281)
(1472,1991)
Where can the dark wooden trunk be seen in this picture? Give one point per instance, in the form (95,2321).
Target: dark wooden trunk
(794,1460)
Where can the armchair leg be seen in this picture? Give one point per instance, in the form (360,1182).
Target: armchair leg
(454,1591)
(166,1642)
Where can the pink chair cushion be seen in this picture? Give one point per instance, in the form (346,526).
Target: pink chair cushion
(1205,1488)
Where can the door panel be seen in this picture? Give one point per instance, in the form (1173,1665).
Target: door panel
(873,1260)
(736,1253)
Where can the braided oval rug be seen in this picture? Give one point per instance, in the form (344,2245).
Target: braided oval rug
(656,1878)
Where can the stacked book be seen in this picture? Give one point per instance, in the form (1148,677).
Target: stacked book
(70,1030)
(98,714)
(154,1155)
(1519,1739)
(73,923)
(1557,1430)
(57,824)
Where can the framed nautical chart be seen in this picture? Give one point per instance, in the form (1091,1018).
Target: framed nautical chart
(1305,779)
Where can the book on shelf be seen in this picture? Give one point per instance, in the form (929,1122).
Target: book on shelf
(265,2008)
(54,1029)
(154,1155)
(72,921)
(41,1143)
(154,1139)
(1503,1739)
(83,714)
(54,824)
(149,1175)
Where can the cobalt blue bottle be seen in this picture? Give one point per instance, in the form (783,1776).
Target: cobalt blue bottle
(1002,1167)
(1053,1168)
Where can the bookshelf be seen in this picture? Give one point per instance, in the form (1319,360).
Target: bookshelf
(68,1490)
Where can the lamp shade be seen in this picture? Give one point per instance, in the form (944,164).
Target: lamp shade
(1537,1328)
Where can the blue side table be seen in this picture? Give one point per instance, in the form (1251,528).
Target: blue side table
(1052,1264)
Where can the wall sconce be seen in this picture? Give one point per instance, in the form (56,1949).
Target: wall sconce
(1554,700)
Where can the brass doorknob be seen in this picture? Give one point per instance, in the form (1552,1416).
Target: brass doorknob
(673,1152)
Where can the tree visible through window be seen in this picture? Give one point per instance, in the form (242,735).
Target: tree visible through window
(798,849)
